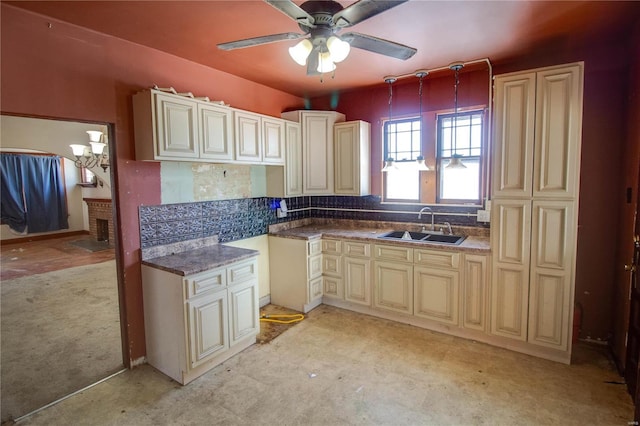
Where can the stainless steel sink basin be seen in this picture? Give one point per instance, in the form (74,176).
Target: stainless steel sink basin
(424,237)
(405,235)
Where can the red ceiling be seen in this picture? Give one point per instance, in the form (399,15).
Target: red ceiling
(442,31)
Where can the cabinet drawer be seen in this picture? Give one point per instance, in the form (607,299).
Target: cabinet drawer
(314,247)
(205,281)
(332,246)
(314,267)
(401,254)
(357,249)
(241,272)
(331,264)
(315,289)
(438,259)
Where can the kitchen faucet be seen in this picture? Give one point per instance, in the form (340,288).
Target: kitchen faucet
(420,217)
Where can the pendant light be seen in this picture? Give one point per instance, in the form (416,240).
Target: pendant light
(456,159)
(420,160)
(389,162)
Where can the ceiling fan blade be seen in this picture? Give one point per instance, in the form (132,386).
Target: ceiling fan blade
(378,45)
(361,10)
(248,42)
(294,11)
(312,62)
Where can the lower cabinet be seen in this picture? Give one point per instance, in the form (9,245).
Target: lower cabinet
(193,323)
(475,285)
(295,271)
(393,284)
(357,281)
(436,294)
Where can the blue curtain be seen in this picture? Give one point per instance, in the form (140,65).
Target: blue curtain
(32,193)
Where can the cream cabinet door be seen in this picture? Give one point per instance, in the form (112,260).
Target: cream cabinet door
(514,135)
(207,326)
(351,158)
(176,127)
(393,286)
(474,291)
(293,163)
(558,132)
(243,307)
(357,281)
(273,141)
(436,294)
(318,153)
(552,260)
(216,132)
(509,300)
(248,137)
(510,242)
(315,290)
(333,287)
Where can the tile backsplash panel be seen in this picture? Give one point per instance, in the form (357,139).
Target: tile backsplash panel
(229,219)
(237,219)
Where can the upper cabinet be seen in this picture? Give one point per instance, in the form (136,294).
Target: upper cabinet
(351,158)
(172,127)
(317,149)
(216,132)
(287,181)
(259,139)
(537,133)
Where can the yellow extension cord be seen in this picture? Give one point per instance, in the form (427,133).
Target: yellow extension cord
(295,318)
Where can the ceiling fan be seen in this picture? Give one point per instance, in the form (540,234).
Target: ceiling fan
(320,20)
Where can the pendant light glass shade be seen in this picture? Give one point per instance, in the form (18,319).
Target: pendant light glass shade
(300,52)
(421,164)
(455,163)
(389,165)
(339,49)
(456,159)
(325,64)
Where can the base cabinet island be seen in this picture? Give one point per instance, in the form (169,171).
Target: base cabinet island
(200,308)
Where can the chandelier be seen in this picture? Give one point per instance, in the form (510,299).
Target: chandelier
(93,155)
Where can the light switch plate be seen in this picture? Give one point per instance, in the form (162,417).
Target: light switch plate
(484,216)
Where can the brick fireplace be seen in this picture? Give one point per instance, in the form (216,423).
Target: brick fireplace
(100,219)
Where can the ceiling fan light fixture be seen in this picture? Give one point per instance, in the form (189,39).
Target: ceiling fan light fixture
(300,52)
(325,63)
(339,49)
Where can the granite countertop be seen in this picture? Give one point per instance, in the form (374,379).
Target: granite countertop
(201,259)
(473,244)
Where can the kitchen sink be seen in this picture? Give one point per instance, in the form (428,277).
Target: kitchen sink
(425,237)
(405,235)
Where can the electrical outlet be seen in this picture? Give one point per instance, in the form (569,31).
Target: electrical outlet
(484,216)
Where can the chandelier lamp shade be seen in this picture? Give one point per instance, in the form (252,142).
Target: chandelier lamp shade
(326,53)
(93,155)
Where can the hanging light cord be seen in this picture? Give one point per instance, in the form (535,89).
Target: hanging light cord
(389,80)
(455,112)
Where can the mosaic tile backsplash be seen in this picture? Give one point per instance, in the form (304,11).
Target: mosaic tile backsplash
(249,217)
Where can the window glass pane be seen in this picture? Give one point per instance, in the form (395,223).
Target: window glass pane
(403,183)
(460,184)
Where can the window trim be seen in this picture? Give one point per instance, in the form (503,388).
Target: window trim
(482,158)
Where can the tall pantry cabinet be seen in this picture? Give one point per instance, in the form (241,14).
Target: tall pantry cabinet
(537,138)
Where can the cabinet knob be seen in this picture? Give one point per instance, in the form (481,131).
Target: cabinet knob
(631,268)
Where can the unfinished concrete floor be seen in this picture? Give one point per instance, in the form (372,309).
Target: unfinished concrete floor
(339,367)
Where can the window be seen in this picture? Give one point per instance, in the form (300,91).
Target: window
(403,144)
(406,139)
(462,136)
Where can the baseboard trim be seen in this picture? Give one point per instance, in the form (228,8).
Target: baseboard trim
(265,300)
(27,238)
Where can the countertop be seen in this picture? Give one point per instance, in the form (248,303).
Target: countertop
(472,244)
(201,259)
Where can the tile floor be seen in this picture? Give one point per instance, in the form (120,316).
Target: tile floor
(339,367)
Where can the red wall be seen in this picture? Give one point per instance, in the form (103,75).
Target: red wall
(604,125)
(68,72)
